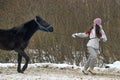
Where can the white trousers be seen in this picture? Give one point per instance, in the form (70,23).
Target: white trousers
(93,53)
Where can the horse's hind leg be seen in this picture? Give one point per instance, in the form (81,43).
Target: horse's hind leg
(19,63)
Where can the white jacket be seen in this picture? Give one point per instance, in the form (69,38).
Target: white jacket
(93,40)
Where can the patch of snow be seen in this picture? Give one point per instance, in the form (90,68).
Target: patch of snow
(7,65)
(116,64)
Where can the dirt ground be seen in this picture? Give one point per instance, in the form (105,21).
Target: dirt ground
(54,74)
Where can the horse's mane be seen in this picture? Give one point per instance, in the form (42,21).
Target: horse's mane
(24,26)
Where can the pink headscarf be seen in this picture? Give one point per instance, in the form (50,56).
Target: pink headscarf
(97,21)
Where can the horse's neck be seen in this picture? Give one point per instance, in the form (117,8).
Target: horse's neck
(30,29)
(29,34)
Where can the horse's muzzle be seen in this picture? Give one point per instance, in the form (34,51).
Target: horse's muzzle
(50,29)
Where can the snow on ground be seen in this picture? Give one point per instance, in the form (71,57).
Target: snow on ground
(50,71)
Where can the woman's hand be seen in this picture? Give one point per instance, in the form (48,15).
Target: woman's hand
(74,35)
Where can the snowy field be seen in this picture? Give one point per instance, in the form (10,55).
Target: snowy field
(50,71)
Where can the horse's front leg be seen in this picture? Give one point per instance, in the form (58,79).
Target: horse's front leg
(21,54)
(27,60)
(19,63)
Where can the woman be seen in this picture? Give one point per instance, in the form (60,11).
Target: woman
(95,34)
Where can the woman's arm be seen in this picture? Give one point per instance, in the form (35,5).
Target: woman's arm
(104,37)
(82,35)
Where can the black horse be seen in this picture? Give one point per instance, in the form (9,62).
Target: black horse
(17,38)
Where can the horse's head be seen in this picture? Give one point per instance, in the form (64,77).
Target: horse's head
(43,25)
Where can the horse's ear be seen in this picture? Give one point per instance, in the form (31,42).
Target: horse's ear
(38,18)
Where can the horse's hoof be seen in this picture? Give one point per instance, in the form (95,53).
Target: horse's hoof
(20,71)
(0,72)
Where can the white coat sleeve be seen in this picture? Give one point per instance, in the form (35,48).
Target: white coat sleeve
(82,35)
